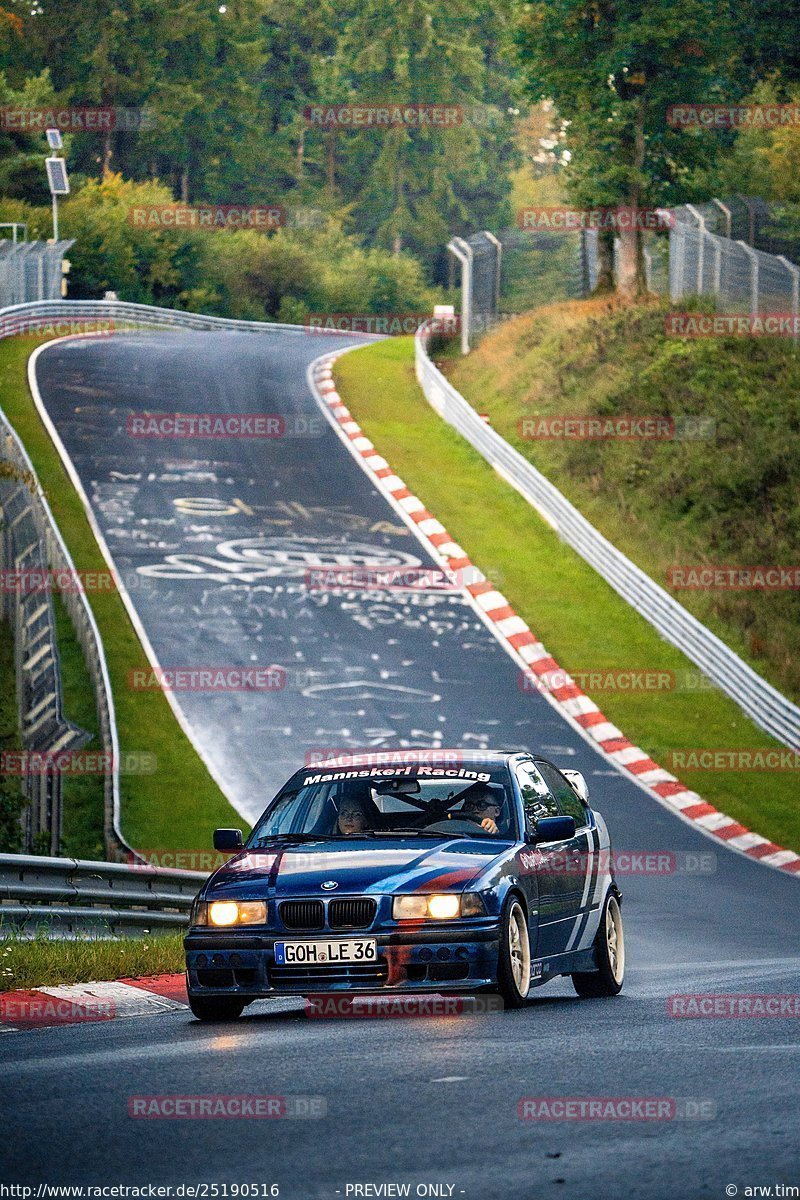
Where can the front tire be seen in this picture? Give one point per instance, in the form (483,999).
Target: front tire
(514,956)
(609,944)
(216,1008)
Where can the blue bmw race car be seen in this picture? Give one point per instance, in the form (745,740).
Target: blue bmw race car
(411,871)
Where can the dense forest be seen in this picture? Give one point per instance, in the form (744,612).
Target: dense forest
(236,103)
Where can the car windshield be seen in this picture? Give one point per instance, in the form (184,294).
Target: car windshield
(376,803)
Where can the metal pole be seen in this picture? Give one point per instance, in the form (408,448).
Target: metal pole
(717,266)
(701,249)
(463,252)
(55,218)
(498,263)
(753,276)
(727,213)
(794,271)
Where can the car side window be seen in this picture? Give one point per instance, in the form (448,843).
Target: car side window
(535,795)
(569,804)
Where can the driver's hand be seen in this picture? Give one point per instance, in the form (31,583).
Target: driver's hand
(489,825)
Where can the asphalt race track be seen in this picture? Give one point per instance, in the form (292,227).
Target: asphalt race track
(218,536)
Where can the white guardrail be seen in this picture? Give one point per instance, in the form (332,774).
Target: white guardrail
(770,710)
(55,896)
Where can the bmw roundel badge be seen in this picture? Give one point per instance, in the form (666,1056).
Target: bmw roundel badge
(329,885)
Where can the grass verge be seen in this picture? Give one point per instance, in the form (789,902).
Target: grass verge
(39,961)
(178,805)
(580,619)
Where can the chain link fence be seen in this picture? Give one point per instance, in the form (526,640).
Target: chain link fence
(26,603)
(725,249)
(31,270)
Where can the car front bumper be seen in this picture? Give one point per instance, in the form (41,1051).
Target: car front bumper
(243,963)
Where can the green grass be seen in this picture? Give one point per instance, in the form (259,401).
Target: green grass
(730,499)
(179,805)
(580,619)
(83,795)
(39,961)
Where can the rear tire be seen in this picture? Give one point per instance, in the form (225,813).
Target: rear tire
(514,956)
(216,1008)
(609,944)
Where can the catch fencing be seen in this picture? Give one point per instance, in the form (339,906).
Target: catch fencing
(31,271)
(728,250)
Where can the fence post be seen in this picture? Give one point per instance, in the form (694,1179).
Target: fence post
(463,252)
(717,266)
(701,221)
(751,254)
(727,214)
(794,271)
(498,245)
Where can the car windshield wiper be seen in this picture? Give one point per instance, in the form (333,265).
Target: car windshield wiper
(294,838)
(420,833)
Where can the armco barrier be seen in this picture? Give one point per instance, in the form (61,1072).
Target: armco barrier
(770,710)
(63,895)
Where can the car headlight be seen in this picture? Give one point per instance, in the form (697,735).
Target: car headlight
(237,912)
(445,907)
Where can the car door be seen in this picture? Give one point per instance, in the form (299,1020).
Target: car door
(573,861)
(545,861)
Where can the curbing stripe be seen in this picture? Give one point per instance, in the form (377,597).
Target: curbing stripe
(511,630)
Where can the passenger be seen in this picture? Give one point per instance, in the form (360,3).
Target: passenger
(352,818)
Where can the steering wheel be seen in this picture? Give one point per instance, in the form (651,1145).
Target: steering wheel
(457,825)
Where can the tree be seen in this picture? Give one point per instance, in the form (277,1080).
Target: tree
(613,68)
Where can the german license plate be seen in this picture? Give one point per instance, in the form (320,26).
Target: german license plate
(351,950)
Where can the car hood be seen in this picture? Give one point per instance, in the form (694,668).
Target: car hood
(362,865)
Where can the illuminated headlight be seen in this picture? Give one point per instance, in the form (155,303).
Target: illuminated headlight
(444,907)
(237,912)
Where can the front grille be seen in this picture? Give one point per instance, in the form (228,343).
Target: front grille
(356,912)
(303,914)
(311,976)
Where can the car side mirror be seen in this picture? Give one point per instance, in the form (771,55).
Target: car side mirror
(577,781)
(227,839)
(555,829)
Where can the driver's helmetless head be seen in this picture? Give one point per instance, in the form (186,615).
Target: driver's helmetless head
(482,801)
(352,818)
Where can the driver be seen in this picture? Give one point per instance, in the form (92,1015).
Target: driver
(483,807)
